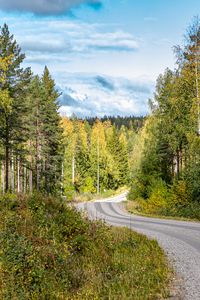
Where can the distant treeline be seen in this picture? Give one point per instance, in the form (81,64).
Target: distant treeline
(97,156)
(131,122)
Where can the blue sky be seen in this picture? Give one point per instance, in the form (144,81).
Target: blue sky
(104,55)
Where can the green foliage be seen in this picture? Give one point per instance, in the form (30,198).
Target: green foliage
(49,251)
(174,200)
(89,185)
(95,151)
(30,131)
(192,178)
(156,193)
(169,154)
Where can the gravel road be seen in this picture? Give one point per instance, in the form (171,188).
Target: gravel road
(179,239)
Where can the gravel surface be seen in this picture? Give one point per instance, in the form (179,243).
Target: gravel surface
(179,239)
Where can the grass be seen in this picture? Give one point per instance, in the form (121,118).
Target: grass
(106,194)
(134,207)
(50,251)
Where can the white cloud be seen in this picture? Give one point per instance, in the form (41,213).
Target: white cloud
(85,95)
(66,38)
(66,46)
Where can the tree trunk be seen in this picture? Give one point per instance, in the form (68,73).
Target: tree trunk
(178,163)
(18,175)
(7,168)
(25,181)
(31,181)
(12,175)
(3,177)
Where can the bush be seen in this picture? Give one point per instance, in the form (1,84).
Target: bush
(89,186)
(139,188)
(49,251)
(180,196)
(192,179)
(69,191)
(176,200)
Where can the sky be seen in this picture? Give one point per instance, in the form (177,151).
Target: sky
(104,55)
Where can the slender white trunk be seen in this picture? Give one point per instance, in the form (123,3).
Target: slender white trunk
(12,175)
(18,175)
(25,180)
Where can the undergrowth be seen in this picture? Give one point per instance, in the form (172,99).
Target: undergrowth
(84,197)
(156,198)
(50,251)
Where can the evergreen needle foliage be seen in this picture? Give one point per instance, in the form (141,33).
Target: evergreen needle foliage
(31,151)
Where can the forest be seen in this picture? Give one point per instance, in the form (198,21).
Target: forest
(97,156)
(40,151)
(166,177)
(31,147)
(48,249)
(158,156)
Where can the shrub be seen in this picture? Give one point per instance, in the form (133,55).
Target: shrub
(49,251)
(179,194)
(158,196)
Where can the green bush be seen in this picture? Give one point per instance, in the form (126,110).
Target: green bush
(175,200)
(69,192)
(158,196)
(89,186)
(139,188)
(192,179)
(50,251)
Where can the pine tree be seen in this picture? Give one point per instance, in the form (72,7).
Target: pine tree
(13,85)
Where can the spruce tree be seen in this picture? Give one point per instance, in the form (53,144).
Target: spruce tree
(52,149)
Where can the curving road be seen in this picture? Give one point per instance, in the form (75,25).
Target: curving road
(179,239)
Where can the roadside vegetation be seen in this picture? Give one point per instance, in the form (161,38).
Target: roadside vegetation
(103,195)
(166,155)
(50,251)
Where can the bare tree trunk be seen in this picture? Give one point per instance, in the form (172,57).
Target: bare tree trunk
(12,173)
(18,175)
(21,175)
(30,181)
(3,177)
(181,159)
(25,181)
(7,168)
(178,163)
(173,168)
